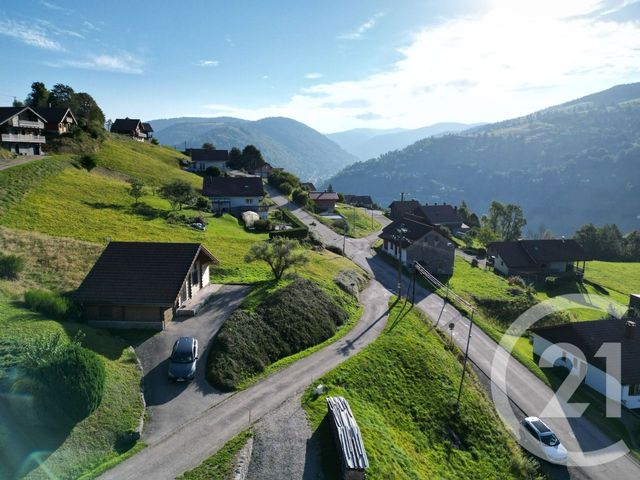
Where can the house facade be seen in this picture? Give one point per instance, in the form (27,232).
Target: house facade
(148,129)
(203,158)
(21,130)
(420,243)
(325,202)
(131,127)
(59,120)
(538,258)
(235,195)
(143,284)
(588,338)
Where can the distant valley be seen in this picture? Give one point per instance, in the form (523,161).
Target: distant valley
(566,165)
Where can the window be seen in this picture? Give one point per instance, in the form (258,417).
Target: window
(195,280)
(634,390)
(249,201)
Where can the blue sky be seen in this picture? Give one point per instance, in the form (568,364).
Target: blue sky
(331,64)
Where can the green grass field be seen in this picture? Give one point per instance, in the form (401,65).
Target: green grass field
(619,276)
(359,223)
(219,465)
(403,400)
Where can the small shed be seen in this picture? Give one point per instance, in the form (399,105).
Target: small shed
(348,439)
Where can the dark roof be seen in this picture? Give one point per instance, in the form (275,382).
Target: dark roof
(7,112)
(125,125)
(531,253)
(54,114)
(140,273)
(589,337)
(232,187)
(205,155)
(147,127)
(358,199)
(309,186)
(401,208)
(438,214)
(330,196)
(414,226)
(347,433)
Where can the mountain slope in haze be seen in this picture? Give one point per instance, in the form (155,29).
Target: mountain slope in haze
(284,142)
(366,143)
(566,165)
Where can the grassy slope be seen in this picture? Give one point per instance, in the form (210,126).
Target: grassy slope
(219,465)
(621,277)
(402,400)
(93,440)
(359,222)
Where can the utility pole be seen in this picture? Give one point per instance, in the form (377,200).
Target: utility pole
(399,238)
(466,357)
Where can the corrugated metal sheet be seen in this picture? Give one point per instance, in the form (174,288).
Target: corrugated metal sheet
(347,433)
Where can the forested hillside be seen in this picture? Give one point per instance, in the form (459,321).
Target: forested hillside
(567,165)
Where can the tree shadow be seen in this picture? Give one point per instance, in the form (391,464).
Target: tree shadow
(104,206)
(146,211)
(321,458)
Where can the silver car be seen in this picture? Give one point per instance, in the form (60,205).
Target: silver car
(541,440)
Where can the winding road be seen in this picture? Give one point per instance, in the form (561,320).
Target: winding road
(188,444)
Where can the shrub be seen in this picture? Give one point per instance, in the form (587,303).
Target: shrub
(154,141)
(212,172)
(70,384)
(11,266)
(88,162)
(474,262)
(50,304)
(285,188)
(301,197)
(350,281)
(517,281)
(175,218)
(262,225)
(202,203)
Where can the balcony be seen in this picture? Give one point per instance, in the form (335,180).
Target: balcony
(29,124)
(15,138)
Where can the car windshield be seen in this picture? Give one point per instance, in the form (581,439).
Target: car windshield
(182,357)
(549,439)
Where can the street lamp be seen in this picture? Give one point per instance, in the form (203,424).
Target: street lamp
(399,238)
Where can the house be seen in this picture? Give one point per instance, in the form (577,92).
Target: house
(143,284)
(588,337)
(235,195)
(132,127)
(538,258)
(263,171)
(419,242)
(442,216)
(148,130)
(203,158)
(359,200)
(399,208)
(324,202)
(308,186)
(21,130)
(59,120)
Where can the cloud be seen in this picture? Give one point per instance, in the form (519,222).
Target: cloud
(48,26)
(91,26)
(362,29)
(122,63)
(28,33)
(516,58)
(208,63)
(53,6)
(313,75)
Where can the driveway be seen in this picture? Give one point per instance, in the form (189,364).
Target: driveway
(12,162)
(170,405)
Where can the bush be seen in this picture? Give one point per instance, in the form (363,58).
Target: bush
(88,162)
(474,262)
(285,188)
(292,319)
(11,266)
(154,141)
(262,225)
(50,304)
(175,218)
(517,281)
(350,281)
(70,384)
(300,197)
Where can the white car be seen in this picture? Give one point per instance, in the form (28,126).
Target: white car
(541,440)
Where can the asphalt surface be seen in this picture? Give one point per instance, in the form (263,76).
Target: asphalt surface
(170,405)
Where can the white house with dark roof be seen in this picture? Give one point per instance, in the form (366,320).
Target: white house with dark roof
(235,194)
(59,120)
(131,127)
(203,158)
(21,130)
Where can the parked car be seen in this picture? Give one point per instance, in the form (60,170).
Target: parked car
(182,363)
(541,440)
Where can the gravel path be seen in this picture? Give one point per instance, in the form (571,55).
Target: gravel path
(283,446)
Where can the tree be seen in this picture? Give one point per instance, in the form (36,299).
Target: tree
(251,158)
(506,220)
(300,197)
(88,162)
(279,253)
(154,141)
(136,190)
(178,193)
(61,95)
(212,172)
(235,158)
(17,103)
(202,204)
(208,146)
(330,188)
(39,96)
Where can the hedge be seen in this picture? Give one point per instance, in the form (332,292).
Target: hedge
(49,304)
(299,231)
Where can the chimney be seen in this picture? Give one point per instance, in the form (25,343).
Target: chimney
(629,329)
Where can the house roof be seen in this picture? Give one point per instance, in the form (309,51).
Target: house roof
(438,214)
(147,127)
(414,226)
(532,253)
(309,186)
(589,337)
(232,187)
(140,273)
(400,208)
(329,196)
(54,114)
(7,112)
(205,155)
(126,125)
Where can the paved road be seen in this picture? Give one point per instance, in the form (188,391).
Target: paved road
(170,405)
(8,163)
(524,389)
(188,445)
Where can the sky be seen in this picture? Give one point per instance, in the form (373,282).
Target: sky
(334,65)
